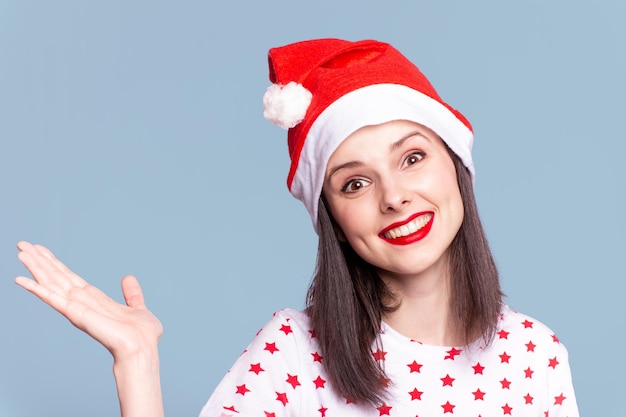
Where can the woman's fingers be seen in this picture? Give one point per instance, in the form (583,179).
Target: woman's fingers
(43,269)
(46,268)
(49,297)
(132,292)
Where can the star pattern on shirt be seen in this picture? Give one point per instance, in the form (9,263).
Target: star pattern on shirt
(558,400)
(293,380)
(271,348)
(414,366)
(447,380)
(256,368)
(452,353)
(478,368)
(415,394)
(478,395)
(528,373)
(553,363)
(241,389)
(283,371)
(319,382)
(384,410)
(448,408)
(285,328)
(379,355)
(282,397)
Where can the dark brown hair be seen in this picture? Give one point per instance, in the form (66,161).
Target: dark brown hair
(347,299)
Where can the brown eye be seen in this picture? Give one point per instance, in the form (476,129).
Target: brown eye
(414,158)
(353,186)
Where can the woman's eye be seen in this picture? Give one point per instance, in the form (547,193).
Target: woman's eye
(353,186)
(414,158)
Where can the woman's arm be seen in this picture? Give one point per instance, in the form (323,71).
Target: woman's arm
(130,332)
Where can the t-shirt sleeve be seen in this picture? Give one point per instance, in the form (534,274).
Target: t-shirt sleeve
(264,381)
(560,386)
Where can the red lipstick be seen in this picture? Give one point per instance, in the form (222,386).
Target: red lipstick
(413,237)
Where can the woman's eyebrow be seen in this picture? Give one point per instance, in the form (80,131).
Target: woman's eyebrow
(399,142)
(351,164)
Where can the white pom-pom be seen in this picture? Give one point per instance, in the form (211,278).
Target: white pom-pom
(286,105)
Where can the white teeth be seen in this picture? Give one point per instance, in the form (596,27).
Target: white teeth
(409,228)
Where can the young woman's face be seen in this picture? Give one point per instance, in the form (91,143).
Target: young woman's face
(392,189)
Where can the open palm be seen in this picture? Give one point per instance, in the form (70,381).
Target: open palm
(122,329)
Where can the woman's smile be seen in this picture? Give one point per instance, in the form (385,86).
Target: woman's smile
(413,229)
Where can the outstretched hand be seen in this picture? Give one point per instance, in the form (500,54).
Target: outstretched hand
(123,329)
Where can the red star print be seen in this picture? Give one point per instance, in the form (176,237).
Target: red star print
(503,334)
(530,346)
(448,408)
(452,353)
(285,328)
(504,358)
(555,339)
(478,395)
(271,347)
(282,397)
(383,410)
(268,414)
(379,355)
(505,384)
(256,368)
(558,400)
(316,357)
(478,368)
(231,408)
(385,382)
(319,382)
(527,324)
(447,380)
(312,334)
(528,398)
(323,411)
(553,363)
(416,394)
(528,372)
(242,389)
(414,367)
(506,409)
(293,380)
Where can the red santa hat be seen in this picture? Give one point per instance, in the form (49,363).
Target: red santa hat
(325,89)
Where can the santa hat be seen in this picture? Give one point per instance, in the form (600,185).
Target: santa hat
(325,89)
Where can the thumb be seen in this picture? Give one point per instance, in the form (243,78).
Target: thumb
(132,292)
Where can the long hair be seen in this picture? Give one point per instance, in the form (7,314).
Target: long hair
(347,299)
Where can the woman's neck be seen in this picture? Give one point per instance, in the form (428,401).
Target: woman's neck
(423,308)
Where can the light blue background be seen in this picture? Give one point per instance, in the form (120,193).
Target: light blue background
(133,141)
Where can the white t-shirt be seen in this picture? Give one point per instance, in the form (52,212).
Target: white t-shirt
(524,372)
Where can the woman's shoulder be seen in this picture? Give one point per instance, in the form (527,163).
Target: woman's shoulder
(289,322)
(530,333)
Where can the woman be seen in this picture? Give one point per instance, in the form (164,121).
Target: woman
(404,315)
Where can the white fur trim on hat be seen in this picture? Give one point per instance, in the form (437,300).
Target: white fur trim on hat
(286,105)
(371,105)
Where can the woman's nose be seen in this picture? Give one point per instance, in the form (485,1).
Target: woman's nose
(394,195)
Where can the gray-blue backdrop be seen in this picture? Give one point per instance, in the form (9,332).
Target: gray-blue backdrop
(132,141)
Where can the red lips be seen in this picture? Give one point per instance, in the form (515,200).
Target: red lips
(413,237)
